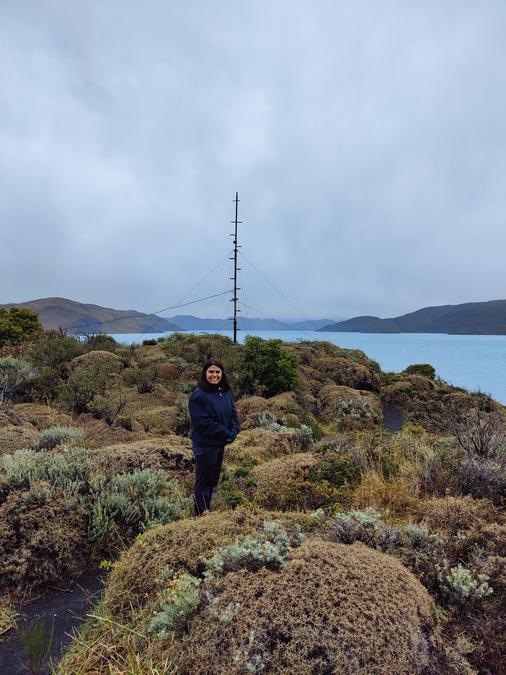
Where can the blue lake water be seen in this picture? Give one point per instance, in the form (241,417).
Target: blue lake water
(470,361)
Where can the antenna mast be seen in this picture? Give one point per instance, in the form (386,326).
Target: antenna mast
(236,269)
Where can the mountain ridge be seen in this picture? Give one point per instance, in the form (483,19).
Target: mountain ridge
(469,318)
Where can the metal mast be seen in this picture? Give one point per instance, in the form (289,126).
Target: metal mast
(236,269)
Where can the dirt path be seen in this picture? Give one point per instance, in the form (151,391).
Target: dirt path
(61,612)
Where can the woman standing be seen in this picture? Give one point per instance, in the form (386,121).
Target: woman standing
(214,423)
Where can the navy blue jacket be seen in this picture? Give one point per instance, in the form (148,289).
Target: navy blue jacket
(213,417)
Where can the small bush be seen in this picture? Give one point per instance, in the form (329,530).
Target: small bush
(423,369)
(18,324)
(268,547)
(464,586)
(53,436)
(182,600)
(82,387)
(143,378)
(52,349)
(267,367)
(149,341)
(100,342)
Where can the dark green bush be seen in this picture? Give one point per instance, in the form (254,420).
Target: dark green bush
(83,385)
(423,369)
(150,341)
(52,349)
(267,368)
(100,342)
(18,324)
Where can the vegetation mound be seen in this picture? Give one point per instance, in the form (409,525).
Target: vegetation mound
(331,608)
(171,454)
(248,592)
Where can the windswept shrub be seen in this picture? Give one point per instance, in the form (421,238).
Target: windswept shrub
(100,342)
(267,367)
(53,436)
(83,385)
(476,423)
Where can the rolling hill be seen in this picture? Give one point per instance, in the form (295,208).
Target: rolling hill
(470,318)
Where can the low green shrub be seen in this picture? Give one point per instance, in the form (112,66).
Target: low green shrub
(182,599)
(423,369)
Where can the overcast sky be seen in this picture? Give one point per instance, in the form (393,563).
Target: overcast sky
(366,138)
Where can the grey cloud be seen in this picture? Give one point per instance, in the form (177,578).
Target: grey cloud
(367,141)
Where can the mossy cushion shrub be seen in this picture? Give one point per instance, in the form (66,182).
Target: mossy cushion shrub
(171,454)
(304,481)
(330,608)
(183,546)
(282,407)
(264,444)
(42,416)
(349,409)
(42,540)
(14,438)
(324,363)
(104,361)
(107,509)
(189,352)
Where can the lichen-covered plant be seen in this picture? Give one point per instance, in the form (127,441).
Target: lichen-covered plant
(464,586)
(181,598)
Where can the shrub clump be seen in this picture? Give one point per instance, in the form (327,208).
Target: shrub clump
(423,369)
(285,619)
(14,372)
(53,436)
(267,367)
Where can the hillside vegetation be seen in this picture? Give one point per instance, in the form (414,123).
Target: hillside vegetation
(334,547)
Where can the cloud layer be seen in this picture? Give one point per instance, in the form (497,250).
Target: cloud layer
(367,141)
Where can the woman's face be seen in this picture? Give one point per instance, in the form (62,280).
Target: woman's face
(213,375)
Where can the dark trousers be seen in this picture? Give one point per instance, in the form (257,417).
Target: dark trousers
(207,474)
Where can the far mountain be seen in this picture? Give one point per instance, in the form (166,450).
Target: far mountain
(470,318)
(188,322)
(76,317)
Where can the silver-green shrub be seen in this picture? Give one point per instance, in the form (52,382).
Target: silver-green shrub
(52,436)
(180,602)
(268,547)
(13,373)
(463,585)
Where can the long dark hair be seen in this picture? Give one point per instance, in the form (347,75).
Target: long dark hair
(207,386)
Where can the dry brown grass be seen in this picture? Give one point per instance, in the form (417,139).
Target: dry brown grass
(394,495)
